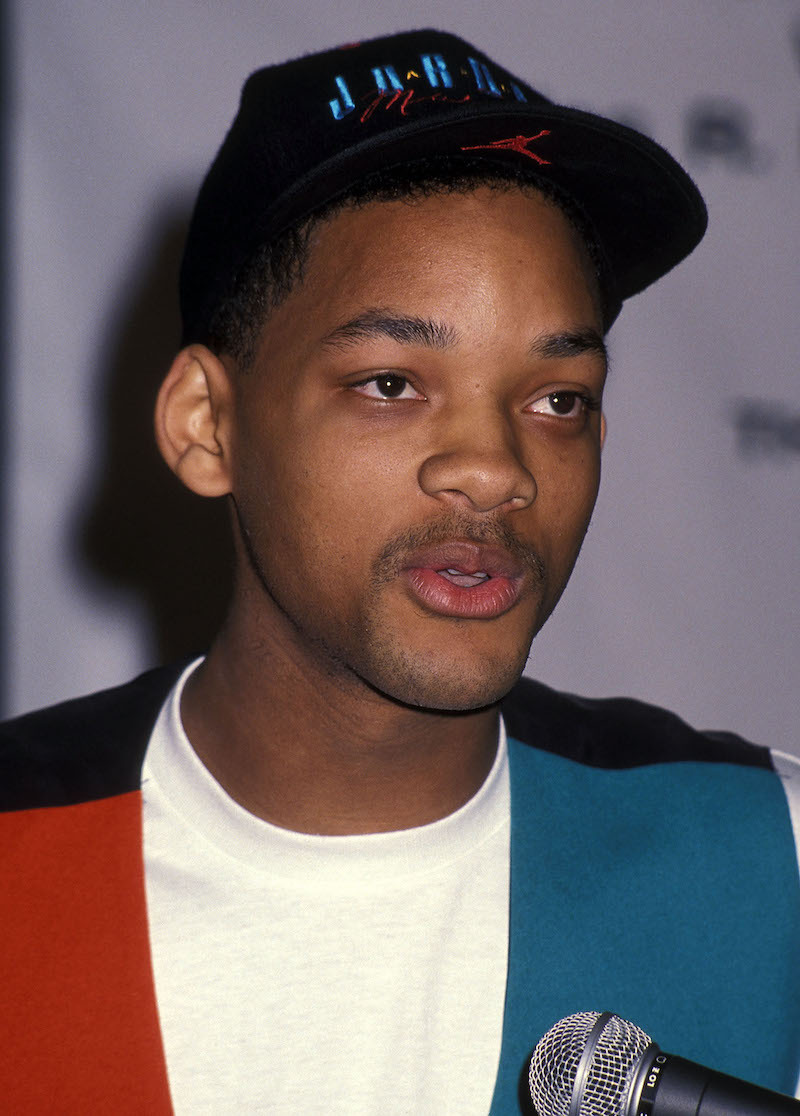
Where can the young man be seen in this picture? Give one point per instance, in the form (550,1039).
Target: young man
(318,871)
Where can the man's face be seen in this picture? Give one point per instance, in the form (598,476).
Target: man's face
(416,452)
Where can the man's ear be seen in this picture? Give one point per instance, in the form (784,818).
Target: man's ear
(193,421)
(603,429)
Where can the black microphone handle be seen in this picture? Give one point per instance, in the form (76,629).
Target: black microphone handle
(674,1086)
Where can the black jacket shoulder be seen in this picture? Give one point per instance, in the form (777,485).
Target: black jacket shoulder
(81,750)
(616,732)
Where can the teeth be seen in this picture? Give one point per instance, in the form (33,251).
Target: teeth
(460,573)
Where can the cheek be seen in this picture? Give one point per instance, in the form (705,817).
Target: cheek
(566,498)
(325,500)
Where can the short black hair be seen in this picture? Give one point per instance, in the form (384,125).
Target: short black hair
(276,267)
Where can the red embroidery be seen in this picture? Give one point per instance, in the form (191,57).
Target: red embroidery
(515,143)
(404,99)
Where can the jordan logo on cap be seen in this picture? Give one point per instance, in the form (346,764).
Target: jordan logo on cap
(515,143)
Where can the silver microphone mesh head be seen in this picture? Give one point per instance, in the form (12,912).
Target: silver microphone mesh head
(555,1062)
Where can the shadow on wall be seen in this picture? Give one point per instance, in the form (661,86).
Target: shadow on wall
(144,532)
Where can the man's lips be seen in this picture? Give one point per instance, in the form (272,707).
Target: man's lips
(464,579)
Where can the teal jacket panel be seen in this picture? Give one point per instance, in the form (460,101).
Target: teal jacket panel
(667,893)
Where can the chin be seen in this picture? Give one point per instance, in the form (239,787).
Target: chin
(447,687)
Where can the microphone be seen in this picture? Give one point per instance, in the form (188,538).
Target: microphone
(596,1064)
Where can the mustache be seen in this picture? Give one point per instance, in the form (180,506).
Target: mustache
(463,528)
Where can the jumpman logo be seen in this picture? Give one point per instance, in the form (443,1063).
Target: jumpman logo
(514,143)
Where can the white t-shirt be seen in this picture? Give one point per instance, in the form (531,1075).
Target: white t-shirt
(340,975)
(302,974)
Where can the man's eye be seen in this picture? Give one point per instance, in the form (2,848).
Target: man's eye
(389,385)
(564,404)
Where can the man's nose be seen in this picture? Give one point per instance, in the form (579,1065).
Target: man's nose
(478,464)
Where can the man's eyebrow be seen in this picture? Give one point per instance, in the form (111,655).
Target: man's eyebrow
(397,327)
(569,343)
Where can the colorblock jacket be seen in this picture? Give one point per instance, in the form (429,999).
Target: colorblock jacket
(653,874)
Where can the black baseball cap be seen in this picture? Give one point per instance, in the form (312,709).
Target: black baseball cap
(308,130)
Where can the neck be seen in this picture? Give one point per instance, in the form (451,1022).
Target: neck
(316,751)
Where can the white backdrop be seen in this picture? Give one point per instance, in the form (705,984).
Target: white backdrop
(686,592)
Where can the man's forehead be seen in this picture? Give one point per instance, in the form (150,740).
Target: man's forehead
(382,233)
(401,273)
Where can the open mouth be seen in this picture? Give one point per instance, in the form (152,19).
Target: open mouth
(464,580)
